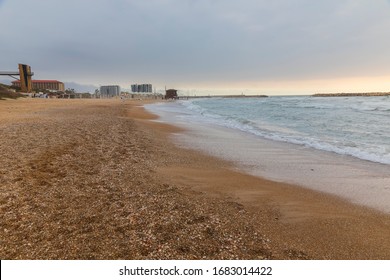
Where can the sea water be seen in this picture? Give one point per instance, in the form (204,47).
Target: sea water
(355,126)
(338,145)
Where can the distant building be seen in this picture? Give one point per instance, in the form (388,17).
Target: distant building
(44,84)
(142,88)
(110,91)
(171,94)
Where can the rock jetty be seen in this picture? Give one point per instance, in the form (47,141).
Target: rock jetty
(351,94)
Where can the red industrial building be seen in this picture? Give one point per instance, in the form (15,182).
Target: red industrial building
(44,84)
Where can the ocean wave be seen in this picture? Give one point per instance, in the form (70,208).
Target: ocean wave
(337,135)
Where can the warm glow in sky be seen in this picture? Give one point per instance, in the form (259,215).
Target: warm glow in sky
(275,47)
(358,84)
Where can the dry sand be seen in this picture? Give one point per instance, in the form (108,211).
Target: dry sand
(96,179)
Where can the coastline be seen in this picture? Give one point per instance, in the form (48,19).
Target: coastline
(114,186)
(305,216)
(359,181)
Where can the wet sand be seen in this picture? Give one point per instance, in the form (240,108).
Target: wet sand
(96,179)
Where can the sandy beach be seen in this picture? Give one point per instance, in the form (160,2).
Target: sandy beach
(98,179)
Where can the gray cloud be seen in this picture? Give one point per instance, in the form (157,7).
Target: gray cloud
(184,41)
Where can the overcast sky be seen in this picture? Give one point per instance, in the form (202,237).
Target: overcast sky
(285,46)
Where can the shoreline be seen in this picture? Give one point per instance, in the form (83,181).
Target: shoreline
(140,196)
(297,210)
(359,181)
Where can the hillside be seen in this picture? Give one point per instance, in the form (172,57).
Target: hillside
(5,92)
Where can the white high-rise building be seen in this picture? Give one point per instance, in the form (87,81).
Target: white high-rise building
(142,88)
(110,91)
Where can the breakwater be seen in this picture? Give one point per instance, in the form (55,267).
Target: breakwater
(343,94)
(221,96)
